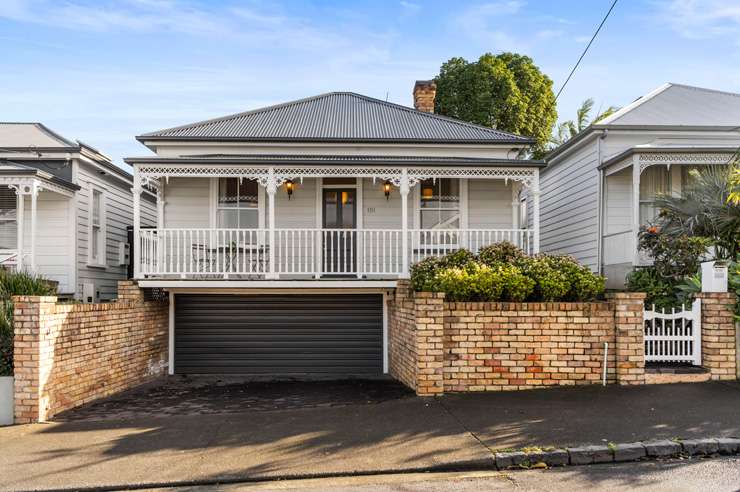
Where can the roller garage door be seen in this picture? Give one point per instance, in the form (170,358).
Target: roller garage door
(281,335)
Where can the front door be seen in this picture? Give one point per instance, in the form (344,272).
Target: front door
(339,236)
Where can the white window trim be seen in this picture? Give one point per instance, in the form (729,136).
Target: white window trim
(261,208)
(462,207)
(103,228)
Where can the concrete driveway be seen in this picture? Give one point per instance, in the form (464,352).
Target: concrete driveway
(376,435)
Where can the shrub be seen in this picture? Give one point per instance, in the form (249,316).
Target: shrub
(423,273)
(517,287)
(660,290)
(674,256)
(15,284)
(475,282)
(503,252)
(551,284)
(584,285)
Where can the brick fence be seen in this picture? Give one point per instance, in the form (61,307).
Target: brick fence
(718,334)
(437,346)
(69,354)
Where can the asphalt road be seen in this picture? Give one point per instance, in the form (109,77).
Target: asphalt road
(706,475)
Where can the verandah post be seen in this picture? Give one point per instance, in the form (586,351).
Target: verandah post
(136,191)
(271,189)
(404,189)
(536,210)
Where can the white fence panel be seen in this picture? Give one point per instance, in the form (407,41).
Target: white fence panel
(673,336)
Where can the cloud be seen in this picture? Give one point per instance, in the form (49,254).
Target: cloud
(549,33)
(410,8)
(477,22)
(701,19)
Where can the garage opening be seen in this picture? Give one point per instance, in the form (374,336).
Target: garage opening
(304,336)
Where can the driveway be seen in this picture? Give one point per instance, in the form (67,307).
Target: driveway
(204,395)
(326,433)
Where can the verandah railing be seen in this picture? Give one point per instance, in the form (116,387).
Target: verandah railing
(208,253)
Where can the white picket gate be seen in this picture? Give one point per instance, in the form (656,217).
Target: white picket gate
(673,336)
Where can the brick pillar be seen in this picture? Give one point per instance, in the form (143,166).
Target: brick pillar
(30,361)
(429,308)
(629,336)
(718,332)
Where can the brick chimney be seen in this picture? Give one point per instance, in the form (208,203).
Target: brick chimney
(424,92)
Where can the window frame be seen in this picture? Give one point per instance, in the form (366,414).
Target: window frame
(260,209)
(650,201)
(101,261)
(441,208)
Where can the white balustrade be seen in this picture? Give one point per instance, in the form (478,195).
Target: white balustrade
(245,253)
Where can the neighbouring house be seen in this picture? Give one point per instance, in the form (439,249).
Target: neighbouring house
(600,187)
(64,210)
(281,230)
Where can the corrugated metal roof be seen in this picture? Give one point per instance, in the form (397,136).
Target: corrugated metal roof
(337,116)
(336,159)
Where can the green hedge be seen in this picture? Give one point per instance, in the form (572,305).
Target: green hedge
(15,284)
(503,272)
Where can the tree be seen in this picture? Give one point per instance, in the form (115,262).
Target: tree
(735,185)
(506,91)
(569,129)
(704,208)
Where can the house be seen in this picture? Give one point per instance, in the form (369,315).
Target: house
(600,187)
(64,210)
(280,230)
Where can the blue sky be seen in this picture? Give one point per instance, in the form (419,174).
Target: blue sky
(103,71)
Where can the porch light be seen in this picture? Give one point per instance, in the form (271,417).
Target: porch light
(387,189)
(427,192)
(289,188)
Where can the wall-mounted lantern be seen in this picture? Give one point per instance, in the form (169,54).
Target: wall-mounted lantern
(387,189)
(289,188)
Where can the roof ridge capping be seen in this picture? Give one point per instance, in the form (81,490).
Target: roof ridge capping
(204,123)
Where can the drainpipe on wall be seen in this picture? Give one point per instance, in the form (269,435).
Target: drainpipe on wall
(600,210)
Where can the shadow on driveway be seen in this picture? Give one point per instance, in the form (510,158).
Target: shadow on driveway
(213,395)
(402,433)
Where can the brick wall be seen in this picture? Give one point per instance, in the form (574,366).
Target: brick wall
(469,346)
(510,346)
(718,334)
(70,354)
(402,353)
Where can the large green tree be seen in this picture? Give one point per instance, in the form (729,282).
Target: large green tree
(506,91)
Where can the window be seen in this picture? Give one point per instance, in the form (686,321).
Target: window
(654,181)
(237,206)
(440,204)
(97,229)
(8,223)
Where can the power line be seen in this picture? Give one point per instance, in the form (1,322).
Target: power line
(575,67)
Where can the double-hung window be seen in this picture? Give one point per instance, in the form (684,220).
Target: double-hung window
(237,206)
(439,210)
(97,228)
(440,204)
(654,181)
(8,219)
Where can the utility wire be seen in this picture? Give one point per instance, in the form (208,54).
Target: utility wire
(575,67)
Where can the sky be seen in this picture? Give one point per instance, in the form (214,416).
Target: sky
(104,71)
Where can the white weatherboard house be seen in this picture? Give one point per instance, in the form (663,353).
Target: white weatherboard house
(64,209)
(600,187)
(280,230)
